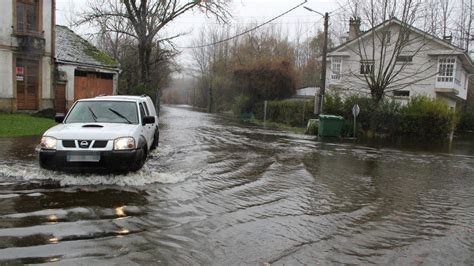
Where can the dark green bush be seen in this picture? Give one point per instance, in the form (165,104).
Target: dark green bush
(427,118)
(466,122)
(334,105)
(423,117)
(385,118)
(242,104)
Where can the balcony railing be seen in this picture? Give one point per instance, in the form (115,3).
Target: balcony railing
(31,43)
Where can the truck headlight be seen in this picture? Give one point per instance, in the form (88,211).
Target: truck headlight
(126,143)
(48,143)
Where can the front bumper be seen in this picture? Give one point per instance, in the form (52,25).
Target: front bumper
(111,161)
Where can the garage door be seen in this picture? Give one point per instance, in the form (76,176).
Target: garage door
(91,84)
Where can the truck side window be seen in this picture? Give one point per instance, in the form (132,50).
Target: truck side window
(142,112)
(146,108)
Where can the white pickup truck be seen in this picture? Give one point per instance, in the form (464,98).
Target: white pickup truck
(113,133)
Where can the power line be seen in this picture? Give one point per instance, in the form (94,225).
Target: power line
(247,31)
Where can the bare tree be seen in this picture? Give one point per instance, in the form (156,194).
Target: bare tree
(446,8)
(463,24)
(144,20)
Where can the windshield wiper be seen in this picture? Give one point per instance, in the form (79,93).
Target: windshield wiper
(93,114)
(120,115)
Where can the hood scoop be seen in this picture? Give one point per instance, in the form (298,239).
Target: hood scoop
(94,126)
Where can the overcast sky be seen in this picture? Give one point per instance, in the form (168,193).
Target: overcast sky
(243,13)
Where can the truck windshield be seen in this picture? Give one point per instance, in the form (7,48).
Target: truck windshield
(103,112)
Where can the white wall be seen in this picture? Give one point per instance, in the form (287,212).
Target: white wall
(69,70)
(6,74)
(6,22)
(308,91)
(47,84)
(47,26)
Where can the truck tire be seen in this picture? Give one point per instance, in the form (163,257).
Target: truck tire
(138,164)
(156,140)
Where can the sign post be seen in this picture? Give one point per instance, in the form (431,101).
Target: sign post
(355,113)
(264,113)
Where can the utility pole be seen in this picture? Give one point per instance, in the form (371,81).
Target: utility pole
(323,70)
(319,110)
(210,101)
(194,97)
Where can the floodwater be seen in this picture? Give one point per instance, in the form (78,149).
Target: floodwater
(224,193)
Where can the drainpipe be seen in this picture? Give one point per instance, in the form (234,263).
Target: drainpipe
(53,53)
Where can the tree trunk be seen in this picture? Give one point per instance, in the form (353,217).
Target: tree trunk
(144,53)
(376,99)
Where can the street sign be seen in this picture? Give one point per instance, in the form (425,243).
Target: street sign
(355,113)
(355,110)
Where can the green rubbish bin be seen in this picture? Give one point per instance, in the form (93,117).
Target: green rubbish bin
(330,125)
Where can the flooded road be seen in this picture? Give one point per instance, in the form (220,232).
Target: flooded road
(222,193)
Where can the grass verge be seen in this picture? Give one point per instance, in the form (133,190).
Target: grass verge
(16,125)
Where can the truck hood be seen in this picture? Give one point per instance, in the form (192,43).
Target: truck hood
(101,131)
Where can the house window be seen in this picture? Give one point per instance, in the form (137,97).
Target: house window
(446,69)
(404,59)
(336,67)
(366,67)
(27,16)
(401,93)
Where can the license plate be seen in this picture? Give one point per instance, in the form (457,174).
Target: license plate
(83,157)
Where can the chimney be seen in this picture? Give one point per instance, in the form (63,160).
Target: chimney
(448,38)
(354,28)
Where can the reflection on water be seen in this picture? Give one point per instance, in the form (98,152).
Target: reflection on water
(219,192)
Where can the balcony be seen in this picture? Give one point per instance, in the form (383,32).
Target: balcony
(449,86)
(31,43)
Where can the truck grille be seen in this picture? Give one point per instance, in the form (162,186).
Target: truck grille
(100,144)
(97,143)
(69,144)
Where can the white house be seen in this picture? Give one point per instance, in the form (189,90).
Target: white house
(306,92)
(422,64)
(26,54)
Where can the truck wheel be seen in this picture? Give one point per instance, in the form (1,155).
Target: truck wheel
(142,155)
(156,140)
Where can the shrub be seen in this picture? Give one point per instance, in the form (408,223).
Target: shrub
(290,112)
(242,104)
(466,122)
(427,118)
(334,105)
(386,117)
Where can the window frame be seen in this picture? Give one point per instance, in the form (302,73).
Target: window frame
(24,30)
(336,63)
(446,66)
(364,64)
(410,61)
(399,93)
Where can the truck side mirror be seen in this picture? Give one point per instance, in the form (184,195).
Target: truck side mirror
(59,118)
(149,120)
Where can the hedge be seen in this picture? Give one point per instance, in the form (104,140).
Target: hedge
(422,117)
(290,112)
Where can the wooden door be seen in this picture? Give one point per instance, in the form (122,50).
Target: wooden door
(90,84)
(60,98)
(27,84)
